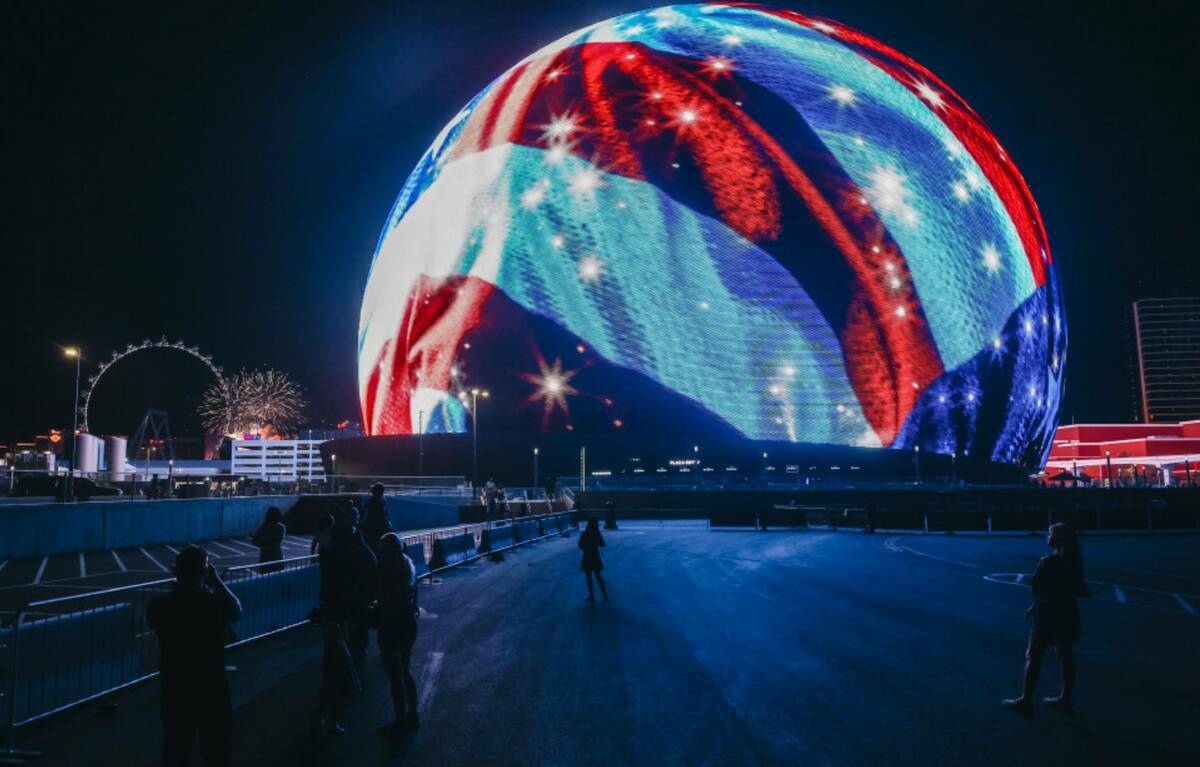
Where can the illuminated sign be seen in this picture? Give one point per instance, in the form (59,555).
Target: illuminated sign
(745,221)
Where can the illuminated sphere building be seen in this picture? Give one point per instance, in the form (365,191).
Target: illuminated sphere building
(719,220)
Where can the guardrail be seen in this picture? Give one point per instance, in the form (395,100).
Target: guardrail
(62,652)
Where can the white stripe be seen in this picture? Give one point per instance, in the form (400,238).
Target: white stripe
(41,569)
(227,548)
(82,566)
(1184,604)
(120,564)
(172,549)
(1120,595)
(1020,577)
(3,564)
(152,559)
(429,679)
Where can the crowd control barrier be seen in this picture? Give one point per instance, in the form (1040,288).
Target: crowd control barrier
(58,653)
(496,539)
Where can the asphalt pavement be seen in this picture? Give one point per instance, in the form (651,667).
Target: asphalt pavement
(737,648)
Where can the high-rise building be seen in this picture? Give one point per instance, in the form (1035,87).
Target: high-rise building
(1168,353)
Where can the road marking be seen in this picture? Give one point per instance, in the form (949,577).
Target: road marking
(3,564)
(1120,595)
(120,564)
(172,549)
(429,679)
(1020,577)
(1184,604)
(894,545)
(152,559)
(227,548)
(242,546)
(41,569)
(82,566)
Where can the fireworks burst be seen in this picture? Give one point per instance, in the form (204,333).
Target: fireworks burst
(253,401)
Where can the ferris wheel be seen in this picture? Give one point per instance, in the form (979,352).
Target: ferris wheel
(145,345)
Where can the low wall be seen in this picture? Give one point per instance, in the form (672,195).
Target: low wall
(421,512)
(54,528)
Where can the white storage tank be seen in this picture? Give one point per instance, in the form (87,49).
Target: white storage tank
(90,449)
(115,451)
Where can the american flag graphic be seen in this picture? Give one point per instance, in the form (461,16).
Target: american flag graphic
(720,217)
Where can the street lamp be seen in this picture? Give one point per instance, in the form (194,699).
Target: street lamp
(333,467)
(170,477)
(536,473)
(1187,469)
(917,461)
(69,495)
(954,467)
(1108,460)
(475,395)
(420,449)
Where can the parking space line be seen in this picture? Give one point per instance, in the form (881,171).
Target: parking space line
(120,564)
(297,540)
(243,547)
(3,565)
(227,548)
(152,559)
(82,566)
(1120,595)
(172,549)
(1185,604)
(41,569)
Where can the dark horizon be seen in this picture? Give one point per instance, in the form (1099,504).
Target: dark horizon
(221,174)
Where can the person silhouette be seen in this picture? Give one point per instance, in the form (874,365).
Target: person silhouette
(192,625)
(375,520)
(396,618)
(269,539)
(590,542)
(1056,583)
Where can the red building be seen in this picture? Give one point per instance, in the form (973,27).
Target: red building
(1134,453)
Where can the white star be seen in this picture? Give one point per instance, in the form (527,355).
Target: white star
(821,26)
(554,74)
(991,258)
(997,343)
(1028,327)
(926,92)
(557,241)
(731,40)
(688,116)
(533,196)
(720,64)
(635,30)
(895,283)
(586,181)
(560,128)
(901,312)
(961,193)
(703,306)
(888,195)
(589,269)
(557,152)
(843,95)
(788,371)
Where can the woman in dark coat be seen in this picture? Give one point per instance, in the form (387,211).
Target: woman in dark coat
(590,543)
(396,617)
(1056,583)
(269,539)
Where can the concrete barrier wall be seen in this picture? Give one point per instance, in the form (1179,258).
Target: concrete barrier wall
(55,528)
(419,513)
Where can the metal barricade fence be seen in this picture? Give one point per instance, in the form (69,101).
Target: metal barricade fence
(59,653)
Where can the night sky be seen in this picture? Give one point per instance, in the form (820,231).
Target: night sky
(220,173)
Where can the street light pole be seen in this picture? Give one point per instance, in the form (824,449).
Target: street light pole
(420,449)
(536,473)
(69,495)
(954,467)
(1108,460)
(475,395)
(917,461)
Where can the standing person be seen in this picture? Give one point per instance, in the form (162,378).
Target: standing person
(361,566)
(590,543)
(192,623)
(269,539)
(375,518)
(1056,583)
(339,681)
(489,498)
(323,536)
(396,616)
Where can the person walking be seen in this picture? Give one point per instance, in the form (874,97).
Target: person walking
(1056,583)
(590,543)
(192,625)
(396,619)
(269,539)
(375,520)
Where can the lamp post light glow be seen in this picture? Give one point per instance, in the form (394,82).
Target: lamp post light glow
(1108,460)
(917,461)
(69,495)
(954,467)
(333,468)
(536,474)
